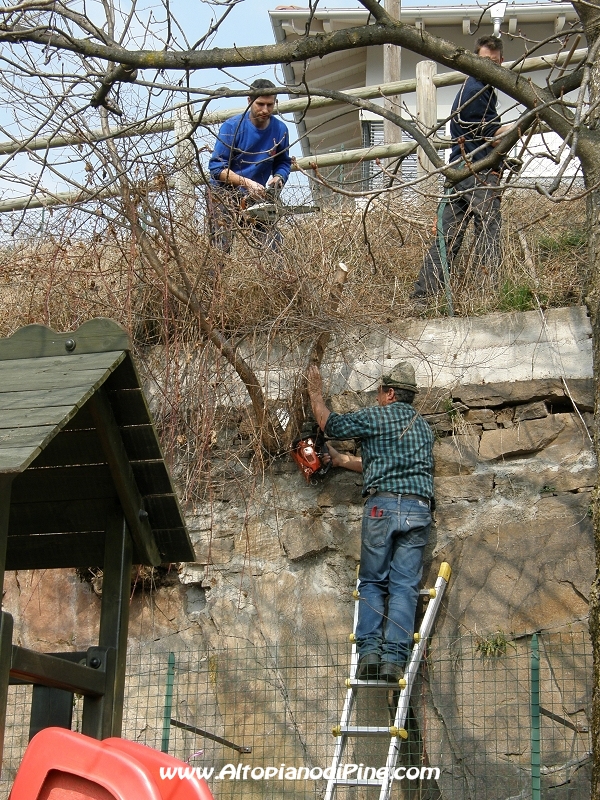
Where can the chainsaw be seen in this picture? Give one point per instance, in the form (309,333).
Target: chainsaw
(309,451)
(272,209)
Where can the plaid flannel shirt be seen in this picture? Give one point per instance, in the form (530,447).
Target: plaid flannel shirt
(396,447)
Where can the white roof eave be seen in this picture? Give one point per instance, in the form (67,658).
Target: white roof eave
(325,20)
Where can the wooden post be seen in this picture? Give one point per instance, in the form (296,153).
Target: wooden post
(114,613)
(6,620)
(6,630)
(392,134)
(426,109)
(102,717)
(5,493)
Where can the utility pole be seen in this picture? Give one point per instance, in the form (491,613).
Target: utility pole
(392,134)
(426,109)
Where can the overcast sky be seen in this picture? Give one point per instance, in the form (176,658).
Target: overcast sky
(249,24)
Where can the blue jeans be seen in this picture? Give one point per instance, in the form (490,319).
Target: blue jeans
(391,566)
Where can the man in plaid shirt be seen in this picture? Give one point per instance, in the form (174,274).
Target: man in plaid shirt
(397,467)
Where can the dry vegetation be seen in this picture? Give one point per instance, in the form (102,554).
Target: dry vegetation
(272,308)
(81,267)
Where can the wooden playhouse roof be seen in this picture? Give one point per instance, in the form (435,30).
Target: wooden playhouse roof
(77,435)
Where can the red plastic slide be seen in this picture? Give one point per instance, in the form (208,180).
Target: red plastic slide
(62,765)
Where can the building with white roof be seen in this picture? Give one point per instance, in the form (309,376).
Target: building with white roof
(537,28)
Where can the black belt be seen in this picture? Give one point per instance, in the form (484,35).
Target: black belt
(420,497)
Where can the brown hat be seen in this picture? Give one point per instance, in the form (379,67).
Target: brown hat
(402,376)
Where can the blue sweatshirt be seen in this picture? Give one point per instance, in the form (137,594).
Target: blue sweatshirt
(252,152)
(474,117)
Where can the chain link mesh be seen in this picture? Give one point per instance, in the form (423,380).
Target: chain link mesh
(470,716)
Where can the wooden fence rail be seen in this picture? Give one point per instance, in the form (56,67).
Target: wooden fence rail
(424,85)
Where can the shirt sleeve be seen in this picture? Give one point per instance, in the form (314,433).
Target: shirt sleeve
(282,163)
(352,425)
(222,155)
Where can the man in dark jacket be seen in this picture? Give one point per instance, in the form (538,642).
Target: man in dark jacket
(397,465)
(474,128)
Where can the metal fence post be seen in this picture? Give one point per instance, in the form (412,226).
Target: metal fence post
(535,718)
(168,704)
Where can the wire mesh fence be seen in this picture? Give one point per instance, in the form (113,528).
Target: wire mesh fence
(258,720)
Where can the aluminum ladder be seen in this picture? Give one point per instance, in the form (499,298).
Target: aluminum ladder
(397,731)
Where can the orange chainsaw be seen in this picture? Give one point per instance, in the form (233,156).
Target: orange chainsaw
(309,451)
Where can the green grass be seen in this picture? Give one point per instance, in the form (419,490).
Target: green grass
(492,646)
(566,241)
(516,297)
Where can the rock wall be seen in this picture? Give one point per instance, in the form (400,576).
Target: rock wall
(514,468)
(510,399)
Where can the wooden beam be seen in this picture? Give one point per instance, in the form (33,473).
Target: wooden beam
(129,406)
(61,517)
(50,708)
(58,373)
(35,341)
(81,482)
(175,544)
(72,448)
(56,551)
(6,629)
(114,617)
(102,717)
(122,473)
(96,718)
(5,497)
(77,482)
(45,670)
(392,134)
(36,398)
(426,109)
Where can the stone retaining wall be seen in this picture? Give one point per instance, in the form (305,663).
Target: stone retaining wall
(510,400)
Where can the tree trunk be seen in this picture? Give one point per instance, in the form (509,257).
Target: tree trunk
(593,304)
(588,13)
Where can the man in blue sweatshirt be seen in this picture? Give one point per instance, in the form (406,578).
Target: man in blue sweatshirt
(251,154)
(475,128)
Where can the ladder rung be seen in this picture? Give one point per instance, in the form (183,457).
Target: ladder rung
(356,782)
(363,730)
(373,684)
(423,592)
